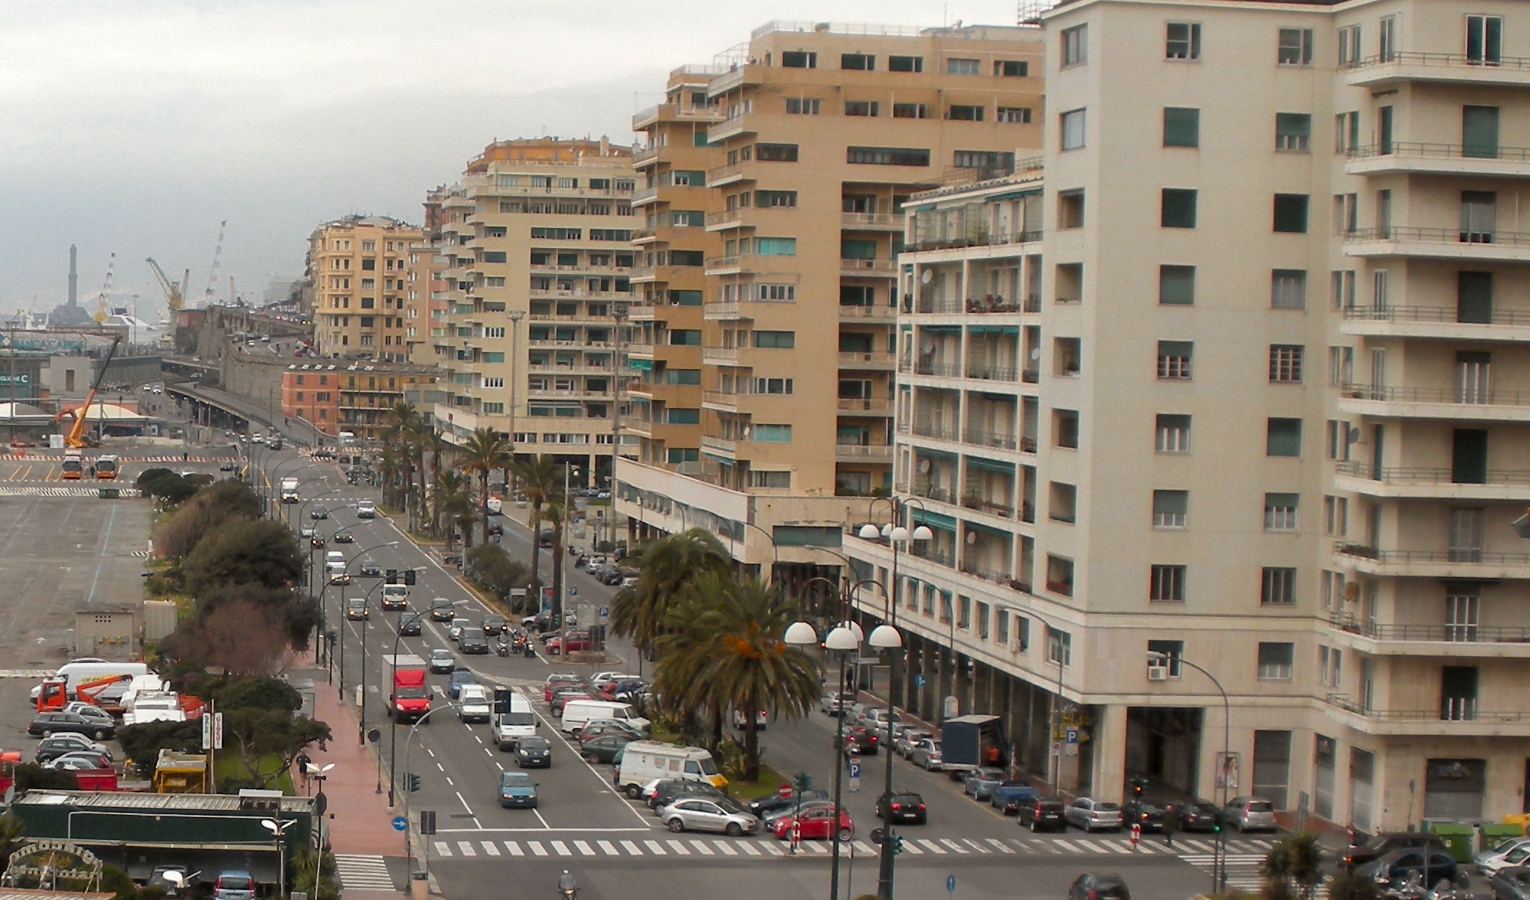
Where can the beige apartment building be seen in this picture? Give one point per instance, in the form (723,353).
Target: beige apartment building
(814,135)
(1254,402)
(357,266)
(535,252)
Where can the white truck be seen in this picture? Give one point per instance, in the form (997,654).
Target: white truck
(289,490)
(513,718)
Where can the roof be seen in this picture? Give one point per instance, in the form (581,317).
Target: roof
(108,411)
(140,801)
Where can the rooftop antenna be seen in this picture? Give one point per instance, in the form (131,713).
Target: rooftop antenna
(1028,12)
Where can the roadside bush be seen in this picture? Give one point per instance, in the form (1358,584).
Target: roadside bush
(493,570)
(209,509)
(259,552)
(32,775)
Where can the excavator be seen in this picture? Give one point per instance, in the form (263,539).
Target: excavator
(75,438)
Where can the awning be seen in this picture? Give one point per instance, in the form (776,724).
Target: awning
(934,520)
(991,465)
(979,526)
(994,329)
(645,365)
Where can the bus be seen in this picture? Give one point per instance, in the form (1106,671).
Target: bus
(106,467)
(74,466)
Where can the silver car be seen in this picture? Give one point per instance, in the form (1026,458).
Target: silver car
(907,738)
(1092,815)
(927,755)
(708,814)
(1249,814)
(1512,852)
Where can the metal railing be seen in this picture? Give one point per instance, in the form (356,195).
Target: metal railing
(991,373)
(1464,397)
(1443,315)
(642,195)
(1412,234)
(866,311)
(1448,634)
(1422,58)
(983,504)
(878,221)
(994,440)
(853,404)
(982,238)
(1453,556)
(878,266)
(1440,475)
(872,358)
(721,172)
(869,451)
(1426,150)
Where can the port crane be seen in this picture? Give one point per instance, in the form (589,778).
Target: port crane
(175,296)
(106,291)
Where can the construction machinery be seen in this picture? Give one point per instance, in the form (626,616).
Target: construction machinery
(75,437)
(106,291)
(55,693)
(212,274)
(175,291)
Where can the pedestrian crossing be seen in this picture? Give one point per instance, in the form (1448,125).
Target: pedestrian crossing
(363,872)
(1196,852)
(79,490)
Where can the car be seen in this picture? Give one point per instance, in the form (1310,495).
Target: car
(906,807)
(50,748)
(473,642)
(370,569)
(761,719)
(494,625)
(1144,814)
(771,818)
(561,698)
(457,679)
(708,814)
(1394,868)
(79,761)
(667,790)
(442,661)
(981,782)
(818,824)
(45,724)
(234,884)
(1198,815)
(517,791)
(366,509)
(533,752)
(621,690)
(226,466)
(762,806)
(875,718)
(1092,815)
(1511,883)
(1510,853)
(597,727)
(441,610)
(356,609)
(551,689)
(603,749)
(1042,814)
(1251,814)
(90,711)
(344,537)
(317,540)
(1387,841)
(905,740)
(862,739)
(1010,795)
(171,881)
(474,703)
(602,678)
(496,528)
(318,513)
(454,630)
(927,755)
(309,532)
(259,438)
(1089,886)
(410,626)
(578,641)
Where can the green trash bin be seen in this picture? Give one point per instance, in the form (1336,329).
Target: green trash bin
(1491,834)
(108,493)
(1460,840)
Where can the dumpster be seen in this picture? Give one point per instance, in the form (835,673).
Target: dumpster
(1460,840)
(1520,819)
(1492,835)
(107,493)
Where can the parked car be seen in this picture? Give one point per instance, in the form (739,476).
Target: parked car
(79,761)
(1091,815)
(875,718)
(774,816)
(1009,796)
(622,689)
(561,698)
(762,806)
(442,662)
(171,880)
(927,755)
(597,727)
(603,749)
(234,884)
(90,711)
(1198,815)
(473,642)
(817,824)
(1042,814)
(51,748)
(1089,886)
(831,704)
(517,790)
(560,680)
(410,626)
(457,679)
(761,719)
(667,790)
(578,642)
(1144,814)
(56,722)
(493,624)
(533,752)
(441,610)
(906,740)
(980,783)
(709,814)
(1250,814)
(1512,883)
(1393,868)
(1509,853)
(1387,841)
(906,807)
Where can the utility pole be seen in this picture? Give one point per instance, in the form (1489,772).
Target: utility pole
(619,313)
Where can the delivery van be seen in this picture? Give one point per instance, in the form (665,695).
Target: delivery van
(578,712)
(644,761)
(513,718)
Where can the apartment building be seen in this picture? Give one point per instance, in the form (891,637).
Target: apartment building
(357,266)
(1259,428)
(535,252)
(358,397)
(815,134)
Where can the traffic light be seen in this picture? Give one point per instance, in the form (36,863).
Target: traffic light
(392,576)
(897,844)
(411,782)
(1138,783)
(409,576)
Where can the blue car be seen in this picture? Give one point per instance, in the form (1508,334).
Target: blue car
(981,783)
(516,789)
(1009,796)
(458,678)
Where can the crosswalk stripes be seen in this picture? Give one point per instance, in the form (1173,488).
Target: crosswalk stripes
(363,872)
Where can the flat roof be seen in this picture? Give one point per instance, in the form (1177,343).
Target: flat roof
(164,802)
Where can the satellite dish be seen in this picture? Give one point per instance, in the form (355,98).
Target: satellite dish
(926,276)
(924,465)
(1354,434)
(1035,353)
(927,346)
(971,538)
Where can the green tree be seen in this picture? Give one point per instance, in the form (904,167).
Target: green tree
(435,447)
(1347,884)
(259,693)
(315,875)
(268,740)
(666,567)
(541,482)
(169,491)
(484,451)
(494,570)
(1293,867)
(552,514)
(263,552)
(453,501)
(210,508)
(31,775)
(141,743)
(11,837)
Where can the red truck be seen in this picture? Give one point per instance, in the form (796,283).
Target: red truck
(408,695)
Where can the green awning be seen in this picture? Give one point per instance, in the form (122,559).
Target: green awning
(993,329)
(943,454)
(645,365)
(991,465)
(934,520)
(943,329)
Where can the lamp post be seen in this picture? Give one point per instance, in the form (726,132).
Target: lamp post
(278,831)
(320,774)
(515,316)
(347,572)
(843,639)
(408,745)
(775,552)
(562,564)
(393,732)
(275,470)
(361,679)
(1219,860)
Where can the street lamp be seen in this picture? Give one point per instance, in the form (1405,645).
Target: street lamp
(320,774)
(346,573)
(278,834)
(568,507)
(1219,860)
(408,745)
(393,732)
(844,639)
(267,489)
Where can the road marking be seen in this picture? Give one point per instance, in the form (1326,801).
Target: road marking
(463,801)
(702,848)
(514,848)
(467,848)
(863,847)
(749,848)
(454,784)
(975,845)
(1090,846)
(928,845)
(952,844)
(536,848)
(491,756)
(631,848)
(560,848)
(678,847)
(726,848)
(584,848)
(1003,847)
(431,752)
(489,848)
(654,848)
(910,847)
(607,848)
(442,849)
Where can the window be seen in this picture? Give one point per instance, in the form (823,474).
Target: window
(772,434)
(1174,360)
(1075,46)
(774,246)
(1283,437)
(1342,288)
(1183,40)
(1014,114)
(775,340)
(993,160)
(1295,47)
(1484,40)
(1170,508)
(1335,516)
(1293,131)
(775,199)
(1178,208)
(1341,366)
(799,59)
(1070,208)
(1286,363)
(1291,213)
(1275,661)
(860,62)
(861,108)
(1166,584)
(803,106)
(905,64)
(962,67)
(1349,46)
(1011,68)
(963,113)
(1346,132)
(1346,213)
(909,111)
(1072,128)
(1176,285)
(1172,433)
(1181,126)
(1280,511)
(1167,653)
(1288,289)
(1065,428)
(887,156)
(1337,438)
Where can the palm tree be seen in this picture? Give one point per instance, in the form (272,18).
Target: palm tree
(432,445)
(665,568)
(541,481)
(1293,867)
(453,500)
(404,425)
(552,514)
(388,468)
(485,451)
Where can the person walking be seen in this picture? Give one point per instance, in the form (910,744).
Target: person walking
(303,762)
(1170,824)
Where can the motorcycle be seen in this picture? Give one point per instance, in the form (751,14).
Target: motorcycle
(1411,888)
(502,647)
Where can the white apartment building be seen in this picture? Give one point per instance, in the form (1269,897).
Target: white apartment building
(1253,400)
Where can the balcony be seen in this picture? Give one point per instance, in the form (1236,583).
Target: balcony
(984,371)
(724,265)
(870,222)
(1001,508)
(1439,243)
(645,157)
(868,268)
(637,426)
(729,128)
(720,400)
(1436,403)
(1430,483)
(1461,562)
(874,360)
(1451,68)
(865,406)
(725,220)
(725,175)
(980,238)
(719,445)
(672,112)
(876,453)
(867,313)
(1441,322)
(994,440)
(641,312)
(1436,640)
(1416,158)
(645,196)
(720,312)
(1455,717)
(636,349)
(719,356)
(931,369)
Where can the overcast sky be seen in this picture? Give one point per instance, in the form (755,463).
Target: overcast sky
(136,127)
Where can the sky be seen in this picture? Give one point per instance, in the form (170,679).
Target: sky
(136,127)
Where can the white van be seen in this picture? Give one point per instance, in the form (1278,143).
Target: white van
(644,761)
(578,712)
(84,670)
(517,721)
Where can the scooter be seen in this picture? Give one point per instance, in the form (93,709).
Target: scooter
(502,646)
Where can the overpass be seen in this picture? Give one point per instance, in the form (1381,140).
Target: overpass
(215,409)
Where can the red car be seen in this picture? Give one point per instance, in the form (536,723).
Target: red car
(561,701)
(553,687)
(577,641)
(817,825)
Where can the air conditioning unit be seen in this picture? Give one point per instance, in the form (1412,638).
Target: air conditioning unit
(1158,672)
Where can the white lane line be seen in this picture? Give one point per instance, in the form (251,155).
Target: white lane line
(431,752)
(655,848)
(631,848)
(910,847)
(607,848)
(560,848)
(451,783)
(441,767)
(514,848)
(491,756)
(536,848)
(583,848)
(489,848)
(464,803)
(1087,845)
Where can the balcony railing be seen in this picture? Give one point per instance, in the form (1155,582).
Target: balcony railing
(975,239)
(1442,315)
(869,451)
(1454,709)
(1440,475)
(1465,397)
(1444,60)
(722,173)
(1412,234)
(1451,634)
(867,311)
(875,359)
(932,369)
(876,221)
(643,195)
(1467,555)
(991,373)
(998,440)
(984,504)
(645,156)
(1422,150)
(866,405)
(930,430)
(868,266)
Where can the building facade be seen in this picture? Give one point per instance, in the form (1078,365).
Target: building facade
(1264,400)
(357,267)
(358,398)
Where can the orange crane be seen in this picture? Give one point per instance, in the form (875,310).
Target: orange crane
(75,436)
(55,692)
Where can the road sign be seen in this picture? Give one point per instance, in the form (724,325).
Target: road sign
(573,592)
(853,770)
(784,792)
(605,612)
(400,823)
(950,884)
(1070,736)
(919,681)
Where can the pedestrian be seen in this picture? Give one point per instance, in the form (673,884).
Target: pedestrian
(302,765)
(1170,824)
(1136,835)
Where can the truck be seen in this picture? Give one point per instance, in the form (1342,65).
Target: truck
(408,694)
(289,490)
(970,742)
(513,718)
